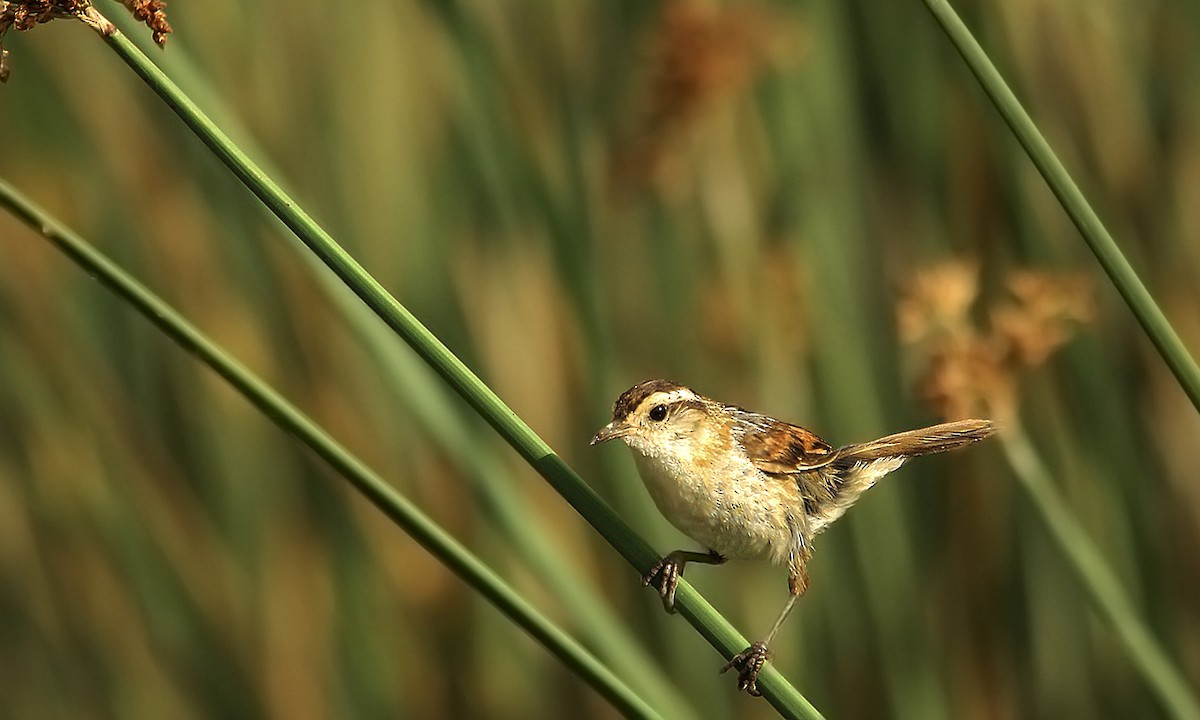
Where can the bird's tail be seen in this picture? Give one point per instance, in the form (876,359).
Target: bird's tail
(925,441)
(832,489)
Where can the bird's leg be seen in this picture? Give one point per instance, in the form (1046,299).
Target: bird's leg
(670,569)
(750,661)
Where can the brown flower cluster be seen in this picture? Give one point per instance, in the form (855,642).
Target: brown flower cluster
(24,15)
(154,15)
(974,367)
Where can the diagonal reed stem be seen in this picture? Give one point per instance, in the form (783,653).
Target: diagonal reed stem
(1098,579)
(592,617)
(1085,559)
(1120,272)
(708,622)
(394,505)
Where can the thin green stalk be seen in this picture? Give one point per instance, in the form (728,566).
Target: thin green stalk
(424,530)
(710,624)
(1086,560)
(595,621)
(1101,584)
(1120,272)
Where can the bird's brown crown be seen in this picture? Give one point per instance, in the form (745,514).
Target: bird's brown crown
(632,398)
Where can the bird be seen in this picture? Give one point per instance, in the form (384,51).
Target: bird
(747,486)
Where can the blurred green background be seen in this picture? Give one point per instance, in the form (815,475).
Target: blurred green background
(576,197)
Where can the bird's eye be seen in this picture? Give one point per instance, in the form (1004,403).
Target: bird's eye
(658,413)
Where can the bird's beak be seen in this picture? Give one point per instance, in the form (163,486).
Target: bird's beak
(612,430)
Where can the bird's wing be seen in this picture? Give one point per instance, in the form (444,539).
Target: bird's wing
(780,448)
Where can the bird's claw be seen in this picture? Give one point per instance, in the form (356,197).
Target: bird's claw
(749,663)
(667,571)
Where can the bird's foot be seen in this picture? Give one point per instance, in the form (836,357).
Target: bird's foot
(748,663)
(664,576)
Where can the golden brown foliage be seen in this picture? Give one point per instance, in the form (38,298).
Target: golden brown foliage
(974,367)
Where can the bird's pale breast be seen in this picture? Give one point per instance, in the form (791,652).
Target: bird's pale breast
(731,508)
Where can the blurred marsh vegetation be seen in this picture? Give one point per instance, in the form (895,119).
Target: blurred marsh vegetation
(807,208)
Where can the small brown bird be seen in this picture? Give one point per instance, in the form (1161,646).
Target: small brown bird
(748,486)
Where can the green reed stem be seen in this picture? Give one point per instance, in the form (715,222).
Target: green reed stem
(1105,591)
(594,620)
(424,530)
(1120,272)
(707,621)
(1084,557)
